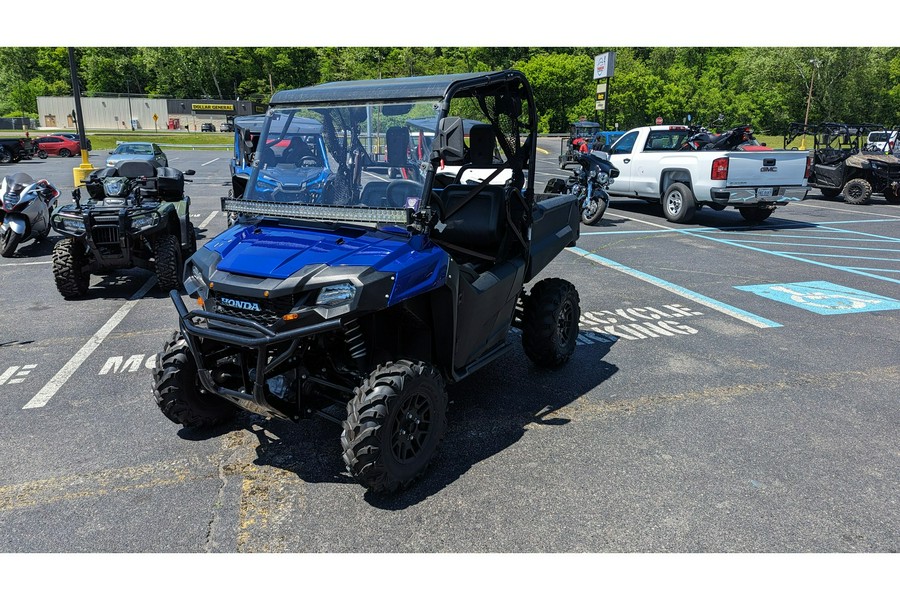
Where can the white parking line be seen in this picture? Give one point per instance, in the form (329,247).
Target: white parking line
(210,162)
(208,219)
(18,264)
(53,386)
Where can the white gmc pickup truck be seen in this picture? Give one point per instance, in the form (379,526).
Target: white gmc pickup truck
(652,167)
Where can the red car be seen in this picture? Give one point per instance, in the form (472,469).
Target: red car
(54,144)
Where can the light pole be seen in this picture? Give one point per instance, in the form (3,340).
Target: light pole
(812,76)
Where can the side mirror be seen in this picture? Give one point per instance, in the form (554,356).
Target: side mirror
(449,142)
(190,172)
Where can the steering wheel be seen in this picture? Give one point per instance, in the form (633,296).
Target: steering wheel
(308,161)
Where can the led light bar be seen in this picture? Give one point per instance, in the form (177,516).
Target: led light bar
(317,212)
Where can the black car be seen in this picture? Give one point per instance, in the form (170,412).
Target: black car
(208,127)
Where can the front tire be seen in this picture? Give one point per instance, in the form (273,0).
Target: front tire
(68,263)
(42,154)
(395,423)
(594,211)
(678,203)
(10,243)
(178,392)
(65,153)
(5,155)
(892,196)
(755,214)
(550,322)
(168,262)
(857,191)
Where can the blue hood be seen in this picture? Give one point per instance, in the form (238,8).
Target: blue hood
(280,253)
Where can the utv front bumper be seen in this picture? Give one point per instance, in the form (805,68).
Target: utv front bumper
(248,338)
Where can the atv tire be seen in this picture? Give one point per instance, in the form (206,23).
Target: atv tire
(168,262)
(68,261)
(395,423)
(178,392)
(192,240)
(678,203)
(10,243)
(857,191)
(892,196)
(755,214)
(550,316)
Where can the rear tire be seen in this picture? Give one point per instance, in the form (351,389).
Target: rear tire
(395,423)
(550,316)
(857,191)
(178,392)
(755,214)
(10,243)
(68,261)
(168,262)
(678,203)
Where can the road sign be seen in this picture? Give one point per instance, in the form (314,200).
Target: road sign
(155,117)
(600,105)
(659,120)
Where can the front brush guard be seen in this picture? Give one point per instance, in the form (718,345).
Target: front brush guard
(249,334)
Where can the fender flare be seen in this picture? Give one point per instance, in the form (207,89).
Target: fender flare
(16,222)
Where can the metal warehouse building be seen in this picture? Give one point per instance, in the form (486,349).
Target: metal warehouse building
(141,112)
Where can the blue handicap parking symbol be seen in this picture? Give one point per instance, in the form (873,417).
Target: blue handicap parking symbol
(822,297)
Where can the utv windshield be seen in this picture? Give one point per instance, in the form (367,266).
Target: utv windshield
(358,163)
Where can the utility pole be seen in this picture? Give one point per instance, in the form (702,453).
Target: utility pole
(815,63)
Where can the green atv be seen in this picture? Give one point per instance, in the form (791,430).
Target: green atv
(137,216)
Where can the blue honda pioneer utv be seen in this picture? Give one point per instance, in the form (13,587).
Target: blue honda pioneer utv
(359,298)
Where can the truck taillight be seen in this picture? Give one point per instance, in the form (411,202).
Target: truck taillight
(808,167)
(720,169)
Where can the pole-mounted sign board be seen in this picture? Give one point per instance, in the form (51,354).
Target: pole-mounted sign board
(604,65)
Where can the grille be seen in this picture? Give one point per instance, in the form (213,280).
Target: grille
(271,309)
(105,234)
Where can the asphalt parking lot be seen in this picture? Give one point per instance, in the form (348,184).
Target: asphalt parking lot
(734,390)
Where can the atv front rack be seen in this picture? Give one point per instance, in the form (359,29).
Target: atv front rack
(243,334)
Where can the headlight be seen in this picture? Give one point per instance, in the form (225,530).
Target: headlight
(144,221)
(76,225)
(602,177)
(335,295)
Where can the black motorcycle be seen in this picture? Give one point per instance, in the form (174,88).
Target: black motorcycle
(589,182)
(737,138)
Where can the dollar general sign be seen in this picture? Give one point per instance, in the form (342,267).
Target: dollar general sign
(212,107)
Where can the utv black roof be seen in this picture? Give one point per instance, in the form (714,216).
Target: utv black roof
(399,89)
